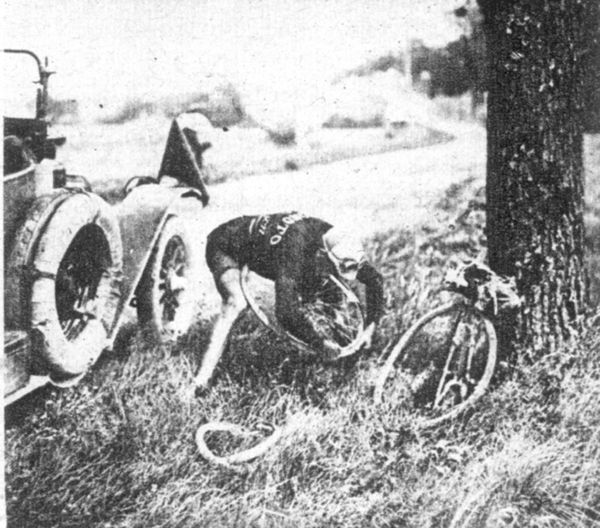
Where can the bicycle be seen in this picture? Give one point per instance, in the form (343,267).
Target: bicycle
(447,358)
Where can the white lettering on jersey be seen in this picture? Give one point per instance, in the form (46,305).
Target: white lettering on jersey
(282,228)
(260,224)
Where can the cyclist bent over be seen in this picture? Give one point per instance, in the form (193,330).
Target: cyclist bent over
(298,253)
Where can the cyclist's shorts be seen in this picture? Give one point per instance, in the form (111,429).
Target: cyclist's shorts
(219,262)
(222,249)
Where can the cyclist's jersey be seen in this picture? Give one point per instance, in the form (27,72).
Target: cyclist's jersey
(284,247)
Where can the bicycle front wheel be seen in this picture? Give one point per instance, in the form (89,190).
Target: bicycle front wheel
(446,360)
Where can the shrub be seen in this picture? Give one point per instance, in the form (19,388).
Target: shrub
(341,121)
(62,110)
(222,105)
(129,111)
(282,136)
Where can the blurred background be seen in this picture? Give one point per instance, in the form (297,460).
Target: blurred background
(291,82)
(279,57)
(324,80)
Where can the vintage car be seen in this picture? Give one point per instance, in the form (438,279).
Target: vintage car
(73,263)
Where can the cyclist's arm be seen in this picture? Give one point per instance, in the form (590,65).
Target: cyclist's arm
(290,310)
(373,282)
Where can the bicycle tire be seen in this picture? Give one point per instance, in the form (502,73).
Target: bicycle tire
(271,322)
(235,458)
(410,335)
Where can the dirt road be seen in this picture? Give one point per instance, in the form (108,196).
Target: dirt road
(371,194)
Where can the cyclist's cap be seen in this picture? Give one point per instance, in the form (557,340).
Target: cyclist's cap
(342,246)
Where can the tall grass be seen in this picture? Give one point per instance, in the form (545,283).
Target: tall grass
(118,450)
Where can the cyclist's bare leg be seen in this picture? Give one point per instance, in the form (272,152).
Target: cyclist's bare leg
(234,302)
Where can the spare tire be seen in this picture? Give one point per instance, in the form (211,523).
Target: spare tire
(75,289)
(17,283)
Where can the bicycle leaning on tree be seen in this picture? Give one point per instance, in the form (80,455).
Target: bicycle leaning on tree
(447,358)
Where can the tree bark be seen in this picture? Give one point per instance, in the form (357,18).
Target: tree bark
(534,181)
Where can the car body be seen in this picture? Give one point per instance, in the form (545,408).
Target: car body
(73,263)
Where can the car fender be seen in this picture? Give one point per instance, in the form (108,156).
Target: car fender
(142,215)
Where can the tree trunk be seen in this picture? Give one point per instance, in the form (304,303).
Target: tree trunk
(534,168)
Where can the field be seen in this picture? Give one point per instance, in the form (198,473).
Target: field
(118,450)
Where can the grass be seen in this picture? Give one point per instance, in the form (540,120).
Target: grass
(118,450)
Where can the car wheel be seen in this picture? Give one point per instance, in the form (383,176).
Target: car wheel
(166,299)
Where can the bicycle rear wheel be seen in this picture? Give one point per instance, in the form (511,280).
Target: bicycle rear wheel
(446,360)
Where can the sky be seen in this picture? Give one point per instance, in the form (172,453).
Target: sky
(118,49)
